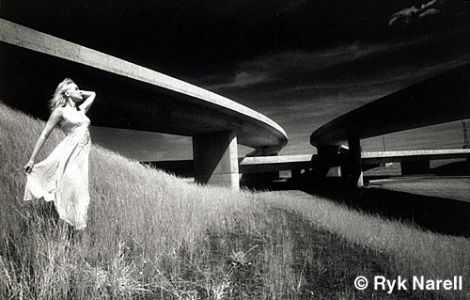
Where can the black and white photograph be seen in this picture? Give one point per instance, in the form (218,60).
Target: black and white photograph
(224,149)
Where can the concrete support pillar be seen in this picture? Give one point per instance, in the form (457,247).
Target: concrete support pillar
(355,162)
(216,159)
(327,157)
(415,167)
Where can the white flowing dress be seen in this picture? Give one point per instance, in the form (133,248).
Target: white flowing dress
(63,176)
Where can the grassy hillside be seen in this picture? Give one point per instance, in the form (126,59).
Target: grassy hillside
(152,236)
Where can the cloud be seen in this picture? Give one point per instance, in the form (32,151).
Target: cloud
(243,79)
(269,68)
(294,67)
(377,84)
(428,12)
(412,14)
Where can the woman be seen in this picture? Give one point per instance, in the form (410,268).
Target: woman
(63,176)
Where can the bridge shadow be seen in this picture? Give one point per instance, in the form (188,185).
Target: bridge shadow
(436,214)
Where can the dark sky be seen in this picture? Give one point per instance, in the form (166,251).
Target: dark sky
(299,62)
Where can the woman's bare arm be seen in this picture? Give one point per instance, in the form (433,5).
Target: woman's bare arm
(54,119)
(89,98)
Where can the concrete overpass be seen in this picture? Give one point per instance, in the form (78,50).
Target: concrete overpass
(134,97)
(443,98)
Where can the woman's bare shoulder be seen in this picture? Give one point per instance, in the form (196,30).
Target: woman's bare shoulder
(58,112)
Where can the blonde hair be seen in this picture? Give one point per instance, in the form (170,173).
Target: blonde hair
(58,98)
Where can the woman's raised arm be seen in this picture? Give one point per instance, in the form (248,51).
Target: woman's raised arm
(89,98)
(54,119)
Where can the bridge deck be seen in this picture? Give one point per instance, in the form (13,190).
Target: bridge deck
(414,155)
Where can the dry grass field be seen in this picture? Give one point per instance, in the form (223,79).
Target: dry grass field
(151,235)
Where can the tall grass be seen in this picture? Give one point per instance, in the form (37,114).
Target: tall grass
(151,235)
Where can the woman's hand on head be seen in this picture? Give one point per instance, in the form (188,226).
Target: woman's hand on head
(87,94)
(88,97)
(28,167)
